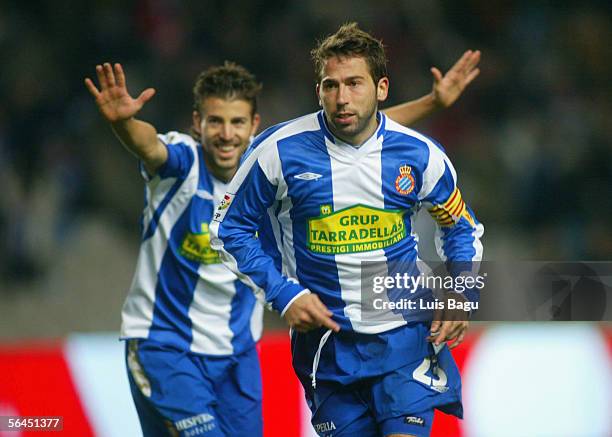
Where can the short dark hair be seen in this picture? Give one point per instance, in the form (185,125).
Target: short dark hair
(351,41)
(229,81)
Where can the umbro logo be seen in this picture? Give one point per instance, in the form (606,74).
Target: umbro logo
(308,176)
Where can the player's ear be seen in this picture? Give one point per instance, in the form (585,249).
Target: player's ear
(197,122)
(256,121)
(382,89)
(317,89)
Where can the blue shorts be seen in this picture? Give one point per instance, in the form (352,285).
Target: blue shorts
(181,393)
(401,401)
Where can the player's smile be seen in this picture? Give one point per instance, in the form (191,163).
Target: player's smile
(225,150)
(225,126)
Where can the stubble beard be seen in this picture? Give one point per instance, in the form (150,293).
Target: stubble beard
(349,133)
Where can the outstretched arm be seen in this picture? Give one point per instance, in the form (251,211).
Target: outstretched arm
(446,90)
(119,108)
(457,241)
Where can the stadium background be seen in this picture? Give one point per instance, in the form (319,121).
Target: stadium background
(531,140)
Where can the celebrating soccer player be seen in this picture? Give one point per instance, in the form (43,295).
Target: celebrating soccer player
(191,326)
(339,188)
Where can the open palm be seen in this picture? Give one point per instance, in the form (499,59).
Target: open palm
(113,99)
(448,88)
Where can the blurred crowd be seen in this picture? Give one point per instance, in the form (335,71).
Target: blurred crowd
(531,137)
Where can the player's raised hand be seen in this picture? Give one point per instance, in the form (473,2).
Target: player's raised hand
(447,88)
(307,312)
(113,99)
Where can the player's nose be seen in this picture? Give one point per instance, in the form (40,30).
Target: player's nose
(227,131)
(342,98)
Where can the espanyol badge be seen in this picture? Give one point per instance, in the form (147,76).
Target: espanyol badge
(404,184)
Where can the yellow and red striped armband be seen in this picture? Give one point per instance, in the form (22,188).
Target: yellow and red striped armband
(451,211)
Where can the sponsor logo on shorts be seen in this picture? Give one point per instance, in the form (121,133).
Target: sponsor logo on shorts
(324,427)
(414,420)
(204,422)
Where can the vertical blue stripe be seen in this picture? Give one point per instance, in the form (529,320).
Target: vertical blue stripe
(399,149)
(178,276)
(176,281)
(240,317)
(243,301)
(179,162)
(268,240)
(302,153)
(160,209)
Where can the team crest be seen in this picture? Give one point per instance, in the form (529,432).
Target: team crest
(404,184)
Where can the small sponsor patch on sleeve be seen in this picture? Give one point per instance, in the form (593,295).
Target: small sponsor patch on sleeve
(222,207)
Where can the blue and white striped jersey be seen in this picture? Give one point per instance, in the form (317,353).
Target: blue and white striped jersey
(181,294)
(331,206)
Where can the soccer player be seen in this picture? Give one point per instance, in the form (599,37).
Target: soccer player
(190,325)
(340,187)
